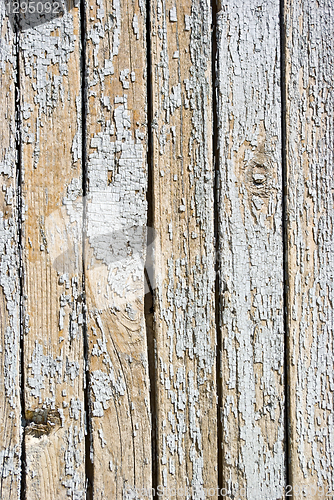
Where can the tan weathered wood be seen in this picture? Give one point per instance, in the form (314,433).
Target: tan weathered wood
(10,449)
(309,49)
(186,400)
(115,247)
(53,341)
(111,213)
(250,248)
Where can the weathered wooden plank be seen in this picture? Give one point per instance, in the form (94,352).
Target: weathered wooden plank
(250,247)
(53,345)
(186,407)
(309,48)
(10,450)
(115,247)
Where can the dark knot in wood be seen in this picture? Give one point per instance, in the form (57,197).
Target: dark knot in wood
(41,422)
(258,176)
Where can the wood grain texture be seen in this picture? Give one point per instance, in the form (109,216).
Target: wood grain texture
(115,247)
(52,228)
(10,429)
(309,89)
(185,345)
(250,248)
(85,239)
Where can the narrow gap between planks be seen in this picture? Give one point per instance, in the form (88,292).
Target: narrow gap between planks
(149,297)
(285,241)
(215,160)
(19,204)
(89,469)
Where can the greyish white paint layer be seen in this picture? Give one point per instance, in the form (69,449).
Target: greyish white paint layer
(116,211)
(310,137)
(10,424)
(183,190)
(250,246)
(115,248)
(53,349)
(44,48)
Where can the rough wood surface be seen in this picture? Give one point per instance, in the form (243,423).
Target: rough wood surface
(115,247)
(53,348)
(186,411)
(10,428)
(309,51)
(87,289)
(250,248)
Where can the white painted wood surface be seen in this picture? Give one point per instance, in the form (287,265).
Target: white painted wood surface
(115,248)
(10,421)
(186,410)
(50,93)
(250,247)
(309,49)
(142,408)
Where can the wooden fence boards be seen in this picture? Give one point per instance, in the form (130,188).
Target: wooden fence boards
(309,50)
(50,104)
(109,127)
(10,422)
(250,247)
(186,411)
(115,247)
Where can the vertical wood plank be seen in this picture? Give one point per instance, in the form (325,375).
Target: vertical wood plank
(53,346)
(185,344)
(309,48)
(10,422)
(115,247)
(250,246)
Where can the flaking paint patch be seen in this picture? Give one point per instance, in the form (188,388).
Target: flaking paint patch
(116,246)
(44,370)
(77,140)
(119,207)
(73,454)
(9,284)
(9,460)
(45,48)
(185,296)
(51,143)
(10,450)
(250,253)
(97,32)
(309,91)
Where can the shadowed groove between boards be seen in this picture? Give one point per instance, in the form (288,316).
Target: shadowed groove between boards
(216,191)
(149,297)
(285,240)
(89,469)
(19,204)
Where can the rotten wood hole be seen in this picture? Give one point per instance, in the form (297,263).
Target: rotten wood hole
(166,238)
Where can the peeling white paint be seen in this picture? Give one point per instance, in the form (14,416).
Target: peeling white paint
(41,51)
(184,310)
(116,211)
(251,254)
(10,449)
(310,210)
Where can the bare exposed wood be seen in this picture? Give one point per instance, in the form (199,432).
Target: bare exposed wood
(250,251)
(10,449)
(183,220)
(309,89)
(53,347)
(115,247)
